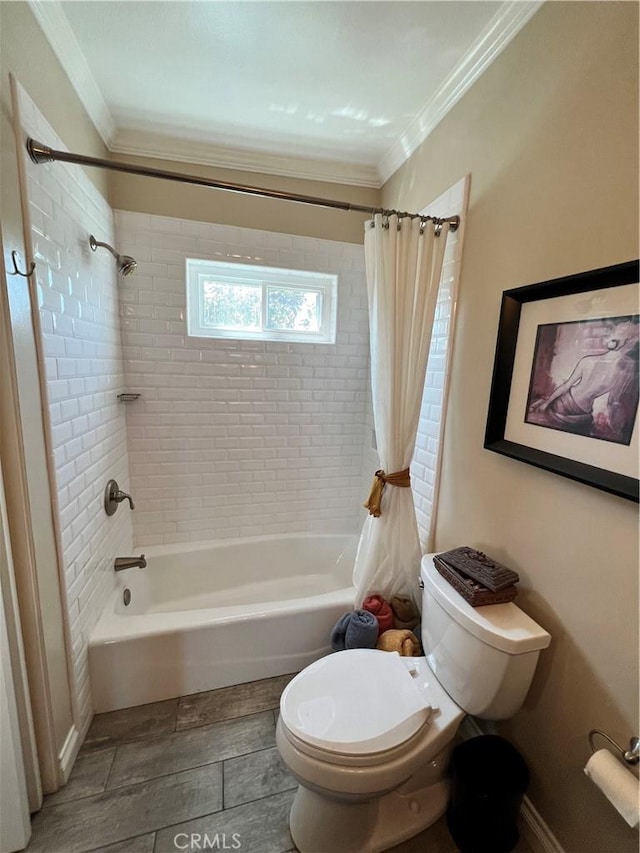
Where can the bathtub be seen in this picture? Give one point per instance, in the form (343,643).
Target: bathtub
(213,614)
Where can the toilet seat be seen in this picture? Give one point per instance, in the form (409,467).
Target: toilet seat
(359,761)
(356,703)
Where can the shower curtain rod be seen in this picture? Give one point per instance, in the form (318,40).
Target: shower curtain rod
(41,153)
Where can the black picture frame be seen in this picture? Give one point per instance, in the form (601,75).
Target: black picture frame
(510,311)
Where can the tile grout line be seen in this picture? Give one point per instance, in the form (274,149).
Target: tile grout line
(266,797)
(113,761)
(130,838)
(116,744)
(163,776)
(134,785)
(225,720)
(218,812)
(220,761)
(106,790)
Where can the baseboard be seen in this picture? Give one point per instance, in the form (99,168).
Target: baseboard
(534,830)
(69,752)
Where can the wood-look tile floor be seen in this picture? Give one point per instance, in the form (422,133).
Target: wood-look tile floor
(150,777)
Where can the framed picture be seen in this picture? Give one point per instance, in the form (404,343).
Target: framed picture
(564,395)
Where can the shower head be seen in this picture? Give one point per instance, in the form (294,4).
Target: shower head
(126,264)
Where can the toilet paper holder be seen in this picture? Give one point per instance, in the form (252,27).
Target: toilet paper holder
(630,756)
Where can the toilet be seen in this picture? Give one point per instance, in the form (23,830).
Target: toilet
(367,734)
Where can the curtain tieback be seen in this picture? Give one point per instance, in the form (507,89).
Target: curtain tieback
(380,480)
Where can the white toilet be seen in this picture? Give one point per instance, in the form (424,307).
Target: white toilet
(367,734)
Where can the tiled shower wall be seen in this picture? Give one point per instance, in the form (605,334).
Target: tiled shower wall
(78,301)
(426,461)
(239,438)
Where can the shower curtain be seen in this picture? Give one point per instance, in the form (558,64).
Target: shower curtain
(403,260)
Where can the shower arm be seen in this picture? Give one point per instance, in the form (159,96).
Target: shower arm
(40,153)
(95,243)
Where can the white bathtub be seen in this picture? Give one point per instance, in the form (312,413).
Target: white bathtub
(212,614)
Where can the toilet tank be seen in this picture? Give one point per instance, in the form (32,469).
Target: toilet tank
(484,657)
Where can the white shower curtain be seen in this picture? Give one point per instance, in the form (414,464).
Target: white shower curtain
(403,263)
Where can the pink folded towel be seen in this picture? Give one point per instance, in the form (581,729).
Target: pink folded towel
(381,609)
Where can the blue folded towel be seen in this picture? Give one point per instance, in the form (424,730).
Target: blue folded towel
(355,630)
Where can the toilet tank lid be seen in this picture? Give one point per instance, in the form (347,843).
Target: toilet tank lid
(503,626)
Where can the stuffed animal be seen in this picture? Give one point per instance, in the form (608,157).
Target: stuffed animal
(405,613)
(381,610)
(402,641)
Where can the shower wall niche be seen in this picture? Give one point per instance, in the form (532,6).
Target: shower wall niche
(239,438)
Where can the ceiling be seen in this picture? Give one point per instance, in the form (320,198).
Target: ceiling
(335,90)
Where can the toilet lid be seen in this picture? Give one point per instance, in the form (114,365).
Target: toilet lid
(357,701)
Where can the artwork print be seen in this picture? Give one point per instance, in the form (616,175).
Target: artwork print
(584,378)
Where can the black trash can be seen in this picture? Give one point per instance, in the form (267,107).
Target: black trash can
(488,780)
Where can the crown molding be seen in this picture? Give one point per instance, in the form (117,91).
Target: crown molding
(506,23)
(57,30)
(501,29)
(144,144)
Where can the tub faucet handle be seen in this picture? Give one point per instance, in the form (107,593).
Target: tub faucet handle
(120,496)
(113,496)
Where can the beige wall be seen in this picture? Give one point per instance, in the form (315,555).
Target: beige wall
(165,198)
(27,54)
(550,137)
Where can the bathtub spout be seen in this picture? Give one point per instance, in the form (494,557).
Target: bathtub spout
(121,563)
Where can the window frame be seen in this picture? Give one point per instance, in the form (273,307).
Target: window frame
(199,270)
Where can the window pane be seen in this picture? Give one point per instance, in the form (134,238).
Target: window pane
(232,306)
(294,309)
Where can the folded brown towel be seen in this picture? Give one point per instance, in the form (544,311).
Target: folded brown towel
(405,642)
(405,613)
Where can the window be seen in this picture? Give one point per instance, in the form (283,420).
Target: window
(260,303)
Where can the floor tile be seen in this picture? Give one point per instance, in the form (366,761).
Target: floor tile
(435,839)
(250,777)
(228,702)
(145,759)
(118,727)
(141,844)
(126,812)
(89,776)
(260,827)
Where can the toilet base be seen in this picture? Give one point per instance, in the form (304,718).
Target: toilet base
(319,824)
